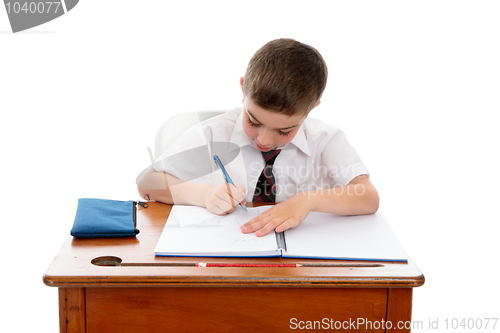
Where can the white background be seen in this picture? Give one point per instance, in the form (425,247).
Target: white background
(415,85)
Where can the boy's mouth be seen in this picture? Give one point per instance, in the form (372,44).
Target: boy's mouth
(261,147)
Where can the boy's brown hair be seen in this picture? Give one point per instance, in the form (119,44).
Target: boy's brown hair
(286,76)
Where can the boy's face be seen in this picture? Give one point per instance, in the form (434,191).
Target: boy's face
(266,129)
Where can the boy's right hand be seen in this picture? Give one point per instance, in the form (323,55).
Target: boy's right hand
(223,198)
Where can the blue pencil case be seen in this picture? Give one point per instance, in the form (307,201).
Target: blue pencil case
(106,218)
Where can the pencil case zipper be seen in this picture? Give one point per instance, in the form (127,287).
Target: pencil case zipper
(134,215)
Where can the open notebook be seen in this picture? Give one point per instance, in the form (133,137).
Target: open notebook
(194,231)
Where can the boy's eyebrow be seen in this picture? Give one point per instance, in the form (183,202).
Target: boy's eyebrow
(284,128)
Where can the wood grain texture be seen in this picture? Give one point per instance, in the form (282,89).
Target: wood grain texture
(399,304)
(72,310)
(227,309)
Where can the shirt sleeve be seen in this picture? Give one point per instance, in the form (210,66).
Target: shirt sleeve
(187,158)
(341,160)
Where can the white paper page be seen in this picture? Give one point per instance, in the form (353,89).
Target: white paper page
(204,234)
(190,215)
(364,237)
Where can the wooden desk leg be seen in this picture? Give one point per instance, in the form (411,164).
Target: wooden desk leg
(72,310)
(399,309)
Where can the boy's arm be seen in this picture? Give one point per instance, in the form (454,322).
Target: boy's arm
(160,186)
(357,198)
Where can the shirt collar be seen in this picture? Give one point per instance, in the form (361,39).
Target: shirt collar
(239,137)
(300,140)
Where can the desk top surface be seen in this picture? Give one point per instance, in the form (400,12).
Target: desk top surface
(96,262)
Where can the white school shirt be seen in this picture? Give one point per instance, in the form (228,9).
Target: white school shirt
(318,157)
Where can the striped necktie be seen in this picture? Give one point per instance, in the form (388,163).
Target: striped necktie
(265,190)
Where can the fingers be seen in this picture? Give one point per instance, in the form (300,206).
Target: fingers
(223,198)
(267,225)
(290,223)
(231,199)
(236,194)
(267,222)
(255,224)
(242,189)
(222,207)
(219,208)
(243,193)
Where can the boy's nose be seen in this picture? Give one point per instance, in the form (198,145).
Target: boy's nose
(265,138)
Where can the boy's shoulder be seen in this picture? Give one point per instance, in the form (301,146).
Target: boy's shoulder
(317,129)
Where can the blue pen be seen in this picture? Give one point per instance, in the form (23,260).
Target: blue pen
(226,176)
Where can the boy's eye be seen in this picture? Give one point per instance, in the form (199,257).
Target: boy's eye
(285,133)
(257,125)
(253,124)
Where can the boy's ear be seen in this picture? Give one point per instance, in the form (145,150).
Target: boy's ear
(319,102)
(241,85)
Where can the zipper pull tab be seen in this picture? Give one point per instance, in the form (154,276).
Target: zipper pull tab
(143,204)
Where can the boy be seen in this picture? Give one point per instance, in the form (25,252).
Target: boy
(271,148)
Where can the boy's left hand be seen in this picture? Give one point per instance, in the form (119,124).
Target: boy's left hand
(283,216)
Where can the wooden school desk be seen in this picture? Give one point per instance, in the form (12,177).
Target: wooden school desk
(144,294)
